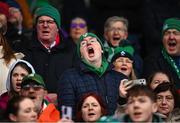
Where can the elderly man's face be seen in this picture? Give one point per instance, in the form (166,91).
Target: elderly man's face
(116,33)
(91,50)
(46,29)
(171,42)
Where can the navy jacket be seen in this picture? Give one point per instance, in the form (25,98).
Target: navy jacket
(78,81)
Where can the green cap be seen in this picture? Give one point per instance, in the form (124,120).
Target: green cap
(34,78)
(84,36)
(171,23)
(123,51)
(49,11)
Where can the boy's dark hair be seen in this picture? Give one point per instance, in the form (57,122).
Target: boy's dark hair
(141,90)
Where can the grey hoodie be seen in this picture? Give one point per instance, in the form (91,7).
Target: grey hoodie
(8,81)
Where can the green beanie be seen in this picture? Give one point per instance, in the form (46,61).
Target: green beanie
(84,36)
(49,11)
(123,51)
(171,23)
(41,3)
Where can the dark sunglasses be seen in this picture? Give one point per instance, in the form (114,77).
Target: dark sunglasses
(34,86)
(80,25)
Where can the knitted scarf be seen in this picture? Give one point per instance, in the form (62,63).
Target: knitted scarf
(171,62)
(99,71)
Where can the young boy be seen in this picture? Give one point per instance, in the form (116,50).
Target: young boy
(141,105)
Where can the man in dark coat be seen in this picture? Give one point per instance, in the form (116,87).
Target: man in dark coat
(168,58)
(93,75)
(48,53)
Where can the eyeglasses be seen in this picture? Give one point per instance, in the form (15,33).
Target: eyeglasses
(80,25)
(176,33)
(167,98)
(49,22)
(117,30)
(34,86)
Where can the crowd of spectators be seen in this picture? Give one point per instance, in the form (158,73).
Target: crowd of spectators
(89,61)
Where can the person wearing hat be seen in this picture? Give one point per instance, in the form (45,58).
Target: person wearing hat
(115,35)
(92,75)
(48,52)
(123,61)
(33,86)
(168,58)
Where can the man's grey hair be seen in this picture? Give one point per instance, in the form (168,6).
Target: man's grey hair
(114,19)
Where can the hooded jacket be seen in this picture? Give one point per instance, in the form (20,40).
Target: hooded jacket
(5,96)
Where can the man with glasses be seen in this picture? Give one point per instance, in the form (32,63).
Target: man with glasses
(34,87)
(49,53)
(116,34)
(168,58)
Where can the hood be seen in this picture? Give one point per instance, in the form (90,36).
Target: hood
(8,83)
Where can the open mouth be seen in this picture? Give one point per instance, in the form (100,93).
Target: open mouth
(116,39)
(90,51)
(123,68)
(18,85)
(172,43)
(91,114)
(45,32)
(137,114)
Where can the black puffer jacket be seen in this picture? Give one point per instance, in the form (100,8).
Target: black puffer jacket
(50,63)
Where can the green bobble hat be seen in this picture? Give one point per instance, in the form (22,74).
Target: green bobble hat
(49,11)
(123,51)
(84,36)
(171,23)
(33,78)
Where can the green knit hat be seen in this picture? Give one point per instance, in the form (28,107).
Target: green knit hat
(49,11)
(171,23)
(33,77)
(84,36)
(123,51)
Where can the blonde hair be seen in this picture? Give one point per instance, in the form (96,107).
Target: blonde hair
(133,75)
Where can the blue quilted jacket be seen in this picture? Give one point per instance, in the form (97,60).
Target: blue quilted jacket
(77,81)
